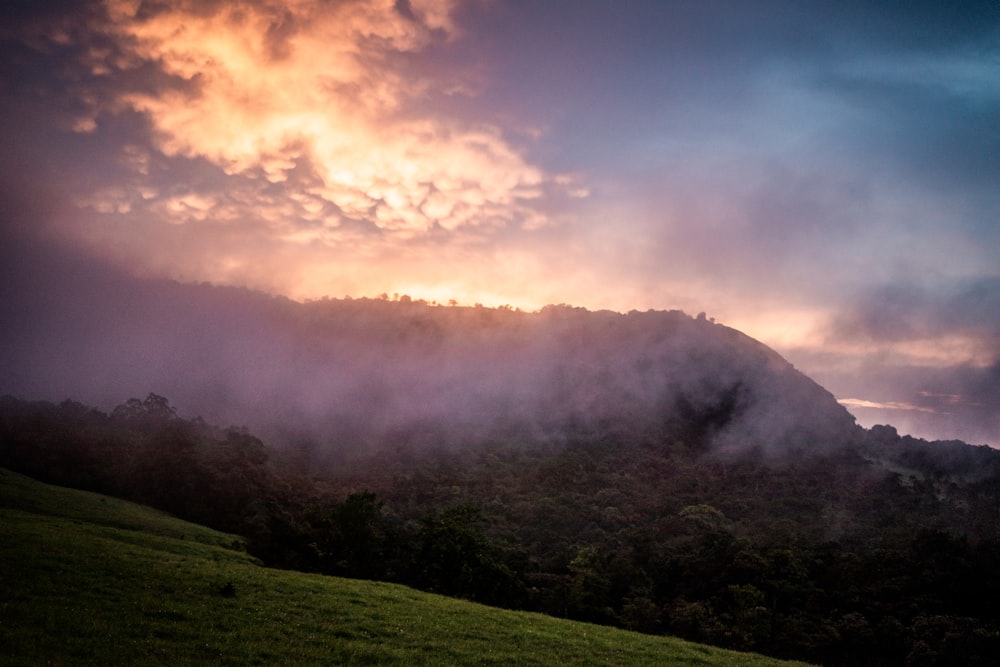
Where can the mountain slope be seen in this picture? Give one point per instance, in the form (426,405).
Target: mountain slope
(92,580)
(649,470)
(350,375)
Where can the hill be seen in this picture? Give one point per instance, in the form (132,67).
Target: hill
(651,470)
(89,579)
(348,375)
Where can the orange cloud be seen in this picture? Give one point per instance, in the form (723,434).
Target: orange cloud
(273,86)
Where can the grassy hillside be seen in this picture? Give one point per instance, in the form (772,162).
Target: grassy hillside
(88,579)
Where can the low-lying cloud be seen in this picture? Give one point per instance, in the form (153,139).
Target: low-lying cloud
(352,374)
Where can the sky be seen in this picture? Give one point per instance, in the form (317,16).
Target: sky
(823,176)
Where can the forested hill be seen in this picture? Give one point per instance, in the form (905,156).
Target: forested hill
(650,470)
(879,552)
(452,375)
(345,375)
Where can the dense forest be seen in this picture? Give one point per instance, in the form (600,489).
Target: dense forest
(652,471)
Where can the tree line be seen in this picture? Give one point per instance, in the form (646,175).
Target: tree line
(880,552)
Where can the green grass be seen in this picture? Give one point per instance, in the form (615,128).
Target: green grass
(91,580)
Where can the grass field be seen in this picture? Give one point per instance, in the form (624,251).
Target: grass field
(91,580)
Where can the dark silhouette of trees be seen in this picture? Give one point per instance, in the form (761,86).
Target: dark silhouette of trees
(154,408)
(349,537)
(835,556)
(454,556)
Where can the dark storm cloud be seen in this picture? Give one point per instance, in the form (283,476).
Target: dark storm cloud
(953,402)
(921,82)
(912,311)
(932,125)
(950,387)
(61,73)
(901,24)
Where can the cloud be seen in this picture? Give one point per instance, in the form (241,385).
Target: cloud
(298,147)
(821,177)
(881,405)
(961,315)
(272,86)
(957,402)
(924,356)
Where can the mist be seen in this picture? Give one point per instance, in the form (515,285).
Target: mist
(356,375)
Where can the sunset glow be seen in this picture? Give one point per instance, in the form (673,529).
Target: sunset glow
(308,96)
(822,180)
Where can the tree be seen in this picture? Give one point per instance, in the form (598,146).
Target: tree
(153,408)
(358,536)
(749,618)
(589,591)
(455,557)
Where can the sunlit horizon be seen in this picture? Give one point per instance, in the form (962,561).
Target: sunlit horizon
(821,179)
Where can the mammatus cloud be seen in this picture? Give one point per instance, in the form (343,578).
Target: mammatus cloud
(305,126)
(271,86)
